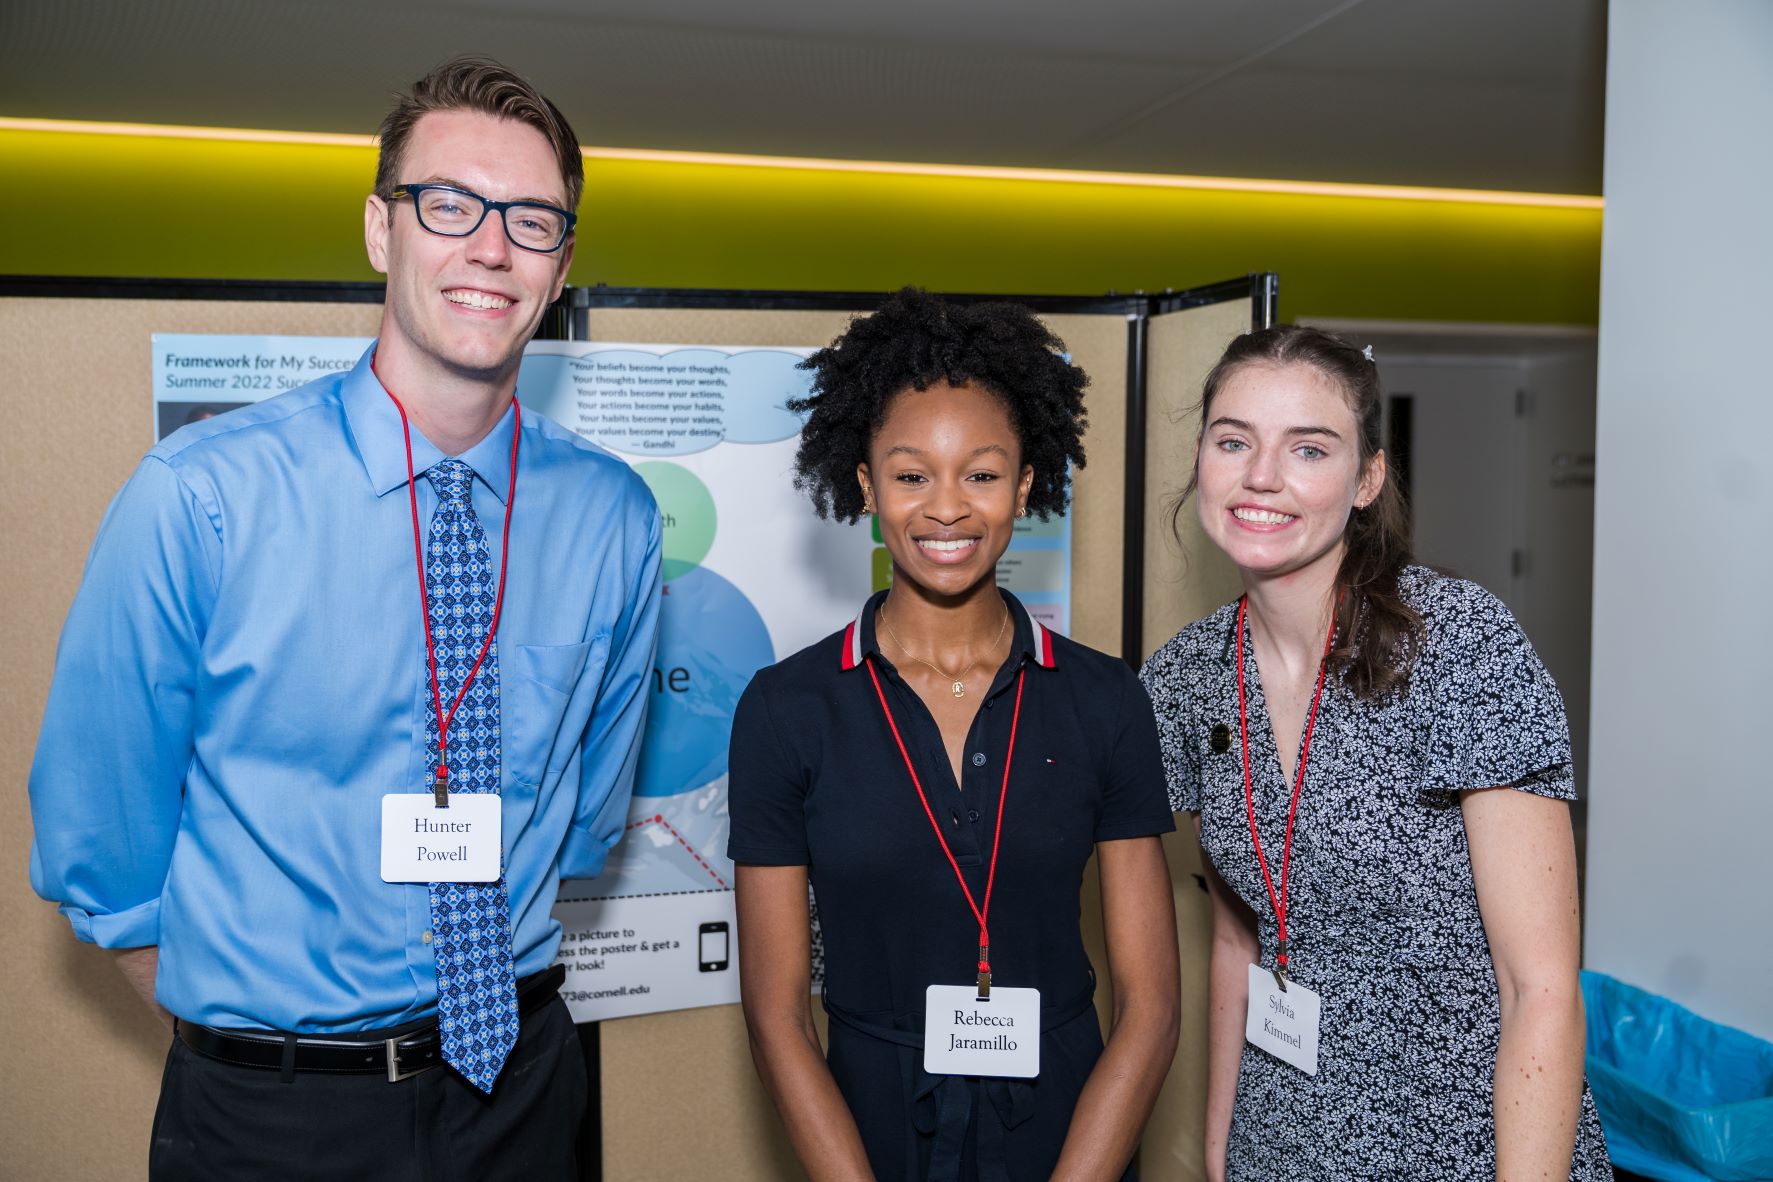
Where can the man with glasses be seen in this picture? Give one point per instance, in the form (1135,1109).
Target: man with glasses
(355,675)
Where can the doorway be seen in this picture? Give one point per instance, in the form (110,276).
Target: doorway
(1490,430)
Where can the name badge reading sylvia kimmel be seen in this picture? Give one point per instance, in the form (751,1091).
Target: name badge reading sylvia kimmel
(1283,1022)
(965,1036)
(423,843)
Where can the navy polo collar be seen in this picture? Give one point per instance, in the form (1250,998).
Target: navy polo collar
(1030,636)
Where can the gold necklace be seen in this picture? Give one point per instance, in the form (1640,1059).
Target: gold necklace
(959,687)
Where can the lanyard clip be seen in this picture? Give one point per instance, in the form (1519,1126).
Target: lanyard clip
(440,786)
(984,971)
(1280,967)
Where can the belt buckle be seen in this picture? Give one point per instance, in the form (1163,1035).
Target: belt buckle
(395,1072)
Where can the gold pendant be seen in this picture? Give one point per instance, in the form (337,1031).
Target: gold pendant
(960,689)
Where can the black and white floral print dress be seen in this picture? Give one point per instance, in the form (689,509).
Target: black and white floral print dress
(1382,913)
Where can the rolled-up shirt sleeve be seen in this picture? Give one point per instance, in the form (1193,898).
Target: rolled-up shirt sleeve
(107,782)
(610,749)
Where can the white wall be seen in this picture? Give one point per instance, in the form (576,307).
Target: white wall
(1680,879)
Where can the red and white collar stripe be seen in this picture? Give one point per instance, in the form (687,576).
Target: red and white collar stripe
(1042,638)
(852,640)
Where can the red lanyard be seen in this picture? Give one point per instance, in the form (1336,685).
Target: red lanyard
(1279,901)
(979,913)
(441,784)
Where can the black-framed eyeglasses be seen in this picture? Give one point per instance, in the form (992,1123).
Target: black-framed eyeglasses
(457,213)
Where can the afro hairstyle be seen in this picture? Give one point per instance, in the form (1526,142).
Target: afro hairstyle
(914,341)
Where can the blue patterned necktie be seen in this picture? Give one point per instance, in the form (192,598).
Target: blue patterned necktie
(470,922)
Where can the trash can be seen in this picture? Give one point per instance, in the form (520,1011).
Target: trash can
(1681,1099)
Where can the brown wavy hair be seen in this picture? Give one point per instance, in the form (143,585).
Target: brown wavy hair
(479,84)
(1378,635)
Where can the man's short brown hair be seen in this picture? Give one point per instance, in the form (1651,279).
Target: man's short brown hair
(483,85)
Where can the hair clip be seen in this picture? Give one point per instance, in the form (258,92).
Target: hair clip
(1367,352)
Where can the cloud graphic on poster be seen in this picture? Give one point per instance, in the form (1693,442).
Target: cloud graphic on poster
(667,404)
(768,378)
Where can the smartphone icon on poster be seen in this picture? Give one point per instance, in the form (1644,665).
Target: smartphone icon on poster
(711,946)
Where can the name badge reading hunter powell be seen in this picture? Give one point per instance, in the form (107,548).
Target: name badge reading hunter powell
(965,1036)
(1283,1022)
(423,843)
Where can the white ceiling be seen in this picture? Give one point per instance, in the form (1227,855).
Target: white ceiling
(1498,94)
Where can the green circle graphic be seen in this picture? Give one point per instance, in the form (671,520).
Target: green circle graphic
(688,510)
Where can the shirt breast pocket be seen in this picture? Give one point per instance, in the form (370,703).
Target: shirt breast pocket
(547,691)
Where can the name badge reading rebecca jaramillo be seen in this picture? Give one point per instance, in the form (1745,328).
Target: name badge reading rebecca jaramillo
(965,1036)
(1283,1022)
(423,843)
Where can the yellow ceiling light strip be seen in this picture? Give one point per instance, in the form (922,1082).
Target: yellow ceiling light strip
(1140,179)
(173,132)
(817,164)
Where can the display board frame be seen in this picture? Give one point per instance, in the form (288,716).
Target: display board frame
(569,319)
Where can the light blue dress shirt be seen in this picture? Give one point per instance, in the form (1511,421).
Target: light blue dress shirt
(242,677)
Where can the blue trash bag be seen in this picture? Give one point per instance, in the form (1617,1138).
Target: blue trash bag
(1681,1099)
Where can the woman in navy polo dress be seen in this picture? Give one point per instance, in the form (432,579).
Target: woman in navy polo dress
(1379,767)
(942,760)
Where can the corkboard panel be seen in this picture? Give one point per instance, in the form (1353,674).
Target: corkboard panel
(698,1060)
(1171,1151)
(682,1100)
(79,1043)
(1185,578)
(1098,510)
(716,326)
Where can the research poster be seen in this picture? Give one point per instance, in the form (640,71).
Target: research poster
(200,375)
(750,575)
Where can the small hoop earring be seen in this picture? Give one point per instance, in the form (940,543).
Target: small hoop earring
(1022,512)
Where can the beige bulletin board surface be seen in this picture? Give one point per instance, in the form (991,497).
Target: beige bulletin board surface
(83,1055)
(698,1061)
(1098,512)
(1185,577)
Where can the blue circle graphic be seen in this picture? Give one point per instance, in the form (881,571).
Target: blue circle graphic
(711,640)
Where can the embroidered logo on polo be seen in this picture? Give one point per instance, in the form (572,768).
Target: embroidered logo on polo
(471,922)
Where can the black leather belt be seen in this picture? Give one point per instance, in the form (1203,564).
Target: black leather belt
(400,1055)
